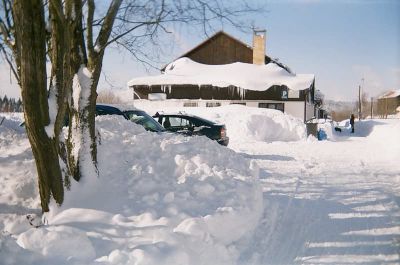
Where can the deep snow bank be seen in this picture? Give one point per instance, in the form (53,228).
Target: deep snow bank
(159,199)
(18,187)
(244,124)
(167,199)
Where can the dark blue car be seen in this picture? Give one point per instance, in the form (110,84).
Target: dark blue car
(108,110)
(188,124)
(137,116)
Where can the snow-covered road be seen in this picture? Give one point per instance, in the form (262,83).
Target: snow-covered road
(333,202)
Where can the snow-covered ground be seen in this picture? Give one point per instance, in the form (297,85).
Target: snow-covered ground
(273,196)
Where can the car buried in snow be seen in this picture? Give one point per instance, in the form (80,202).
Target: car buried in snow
(135,115)
(142,118)
(188,124)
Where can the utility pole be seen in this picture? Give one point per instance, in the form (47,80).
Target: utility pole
(359,102)
(372,107)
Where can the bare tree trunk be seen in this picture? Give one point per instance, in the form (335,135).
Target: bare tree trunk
(30,42)
(82,141)
(59,47)
(79,144)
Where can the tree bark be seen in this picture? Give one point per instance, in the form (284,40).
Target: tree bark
(30,39)
(82,141)
(77,143)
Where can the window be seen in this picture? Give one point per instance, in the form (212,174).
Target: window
(178,122)
(213,104)
(284,94)
(157,96)
(190,104)
(294,93)
(277,106)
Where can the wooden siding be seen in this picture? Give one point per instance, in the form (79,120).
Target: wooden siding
(388,106)
(208,92)
(221,48)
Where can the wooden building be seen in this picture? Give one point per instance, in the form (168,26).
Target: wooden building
(222,48)
(389,103)
(223,70)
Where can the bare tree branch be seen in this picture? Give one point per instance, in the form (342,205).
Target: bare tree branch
(8,13)
(107,26)
(89,25)
(6,34)
(153,17)
(10,61)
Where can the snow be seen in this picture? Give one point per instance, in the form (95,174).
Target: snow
(391,94)
(81,141)
(97,48)
(81,87)
(53,108)
(244,124)
(273,196)
(241,75)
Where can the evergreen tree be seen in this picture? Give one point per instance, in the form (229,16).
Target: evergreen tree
(5,104)
(10,104)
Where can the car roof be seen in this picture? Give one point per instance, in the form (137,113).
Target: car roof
(184,114)
(117,107)
(105,106)
(123,107)
(136,111)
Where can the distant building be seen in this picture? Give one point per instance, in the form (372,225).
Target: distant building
(223,70)
(388,103)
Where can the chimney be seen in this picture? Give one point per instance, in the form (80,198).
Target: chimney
(259,37)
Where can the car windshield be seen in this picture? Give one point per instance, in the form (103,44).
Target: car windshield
(142,118)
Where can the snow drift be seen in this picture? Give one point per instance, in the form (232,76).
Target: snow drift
(244,124)
(159,199)
(170,199)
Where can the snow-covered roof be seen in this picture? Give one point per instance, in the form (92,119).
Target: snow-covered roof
(391,94)
(184,71)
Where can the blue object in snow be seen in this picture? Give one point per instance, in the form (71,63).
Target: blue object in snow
(322,135)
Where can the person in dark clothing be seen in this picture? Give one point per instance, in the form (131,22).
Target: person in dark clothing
(167,123)
(352,123)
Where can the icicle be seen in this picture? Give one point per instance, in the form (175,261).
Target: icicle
(240,91)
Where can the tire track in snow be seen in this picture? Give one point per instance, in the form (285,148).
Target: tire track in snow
(320,211)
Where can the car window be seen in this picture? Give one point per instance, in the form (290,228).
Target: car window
(179,122)
(173,121)
(144,119)
(134,117)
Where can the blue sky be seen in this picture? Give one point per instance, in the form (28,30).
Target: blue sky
(339,41)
